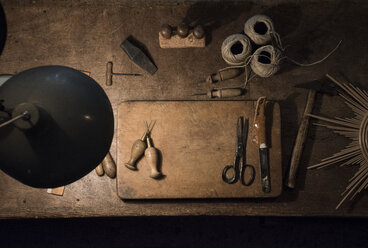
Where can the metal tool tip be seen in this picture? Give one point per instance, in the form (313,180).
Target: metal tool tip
(198,94)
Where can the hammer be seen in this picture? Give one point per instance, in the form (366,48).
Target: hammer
(314,87)
(110,73)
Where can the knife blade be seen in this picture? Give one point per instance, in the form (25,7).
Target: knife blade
(259,139)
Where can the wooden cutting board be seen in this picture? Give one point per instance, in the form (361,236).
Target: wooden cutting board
(196,139)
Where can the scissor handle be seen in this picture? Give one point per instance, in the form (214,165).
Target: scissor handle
(232,179)
(252,174)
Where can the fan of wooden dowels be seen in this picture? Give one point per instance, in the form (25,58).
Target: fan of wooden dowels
(356,153)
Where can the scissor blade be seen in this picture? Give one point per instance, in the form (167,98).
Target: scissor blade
(245,138)
(239,134)
(245,131)
(239,129)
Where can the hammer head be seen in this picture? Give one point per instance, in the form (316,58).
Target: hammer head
(320,86)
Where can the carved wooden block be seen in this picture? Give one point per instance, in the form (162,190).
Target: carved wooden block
(177,42)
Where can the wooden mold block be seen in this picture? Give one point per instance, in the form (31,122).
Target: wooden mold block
(196,140)
(177,42)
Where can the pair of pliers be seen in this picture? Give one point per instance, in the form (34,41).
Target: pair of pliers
(240,165)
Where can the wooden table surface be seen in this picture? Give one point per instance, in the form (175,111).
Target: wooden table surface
(86,34)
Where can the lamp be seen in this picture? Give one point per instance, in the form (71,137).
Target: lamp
(56,125)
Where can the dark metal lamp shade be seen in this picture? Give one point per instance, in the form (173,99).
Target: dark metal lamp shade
(68,133)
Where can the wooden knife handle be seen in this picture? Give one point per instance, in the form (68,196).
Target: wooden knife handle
(259,125)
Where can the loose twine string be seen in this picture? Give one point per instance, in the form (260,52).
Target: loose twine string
(275,51)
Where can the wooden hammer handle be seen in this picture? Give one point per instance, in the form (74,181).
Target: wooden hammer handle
(109,73)
(300,140)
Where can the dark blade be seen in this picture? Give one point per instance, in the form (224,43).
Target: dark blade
(198,94)
(245,136)
(265,178)
(138,57)
(243,155)
(239,135)
(321,86)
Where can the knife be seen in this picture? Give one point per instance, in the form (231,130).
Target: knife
(259,139)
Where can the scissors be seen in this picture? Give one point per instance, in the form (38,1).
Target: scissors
(240,165)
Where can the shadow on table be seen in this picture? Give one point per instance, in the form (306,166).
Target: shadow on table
(3,28)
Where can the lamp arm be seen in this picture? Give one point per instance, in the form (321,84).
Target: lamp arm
(25,115)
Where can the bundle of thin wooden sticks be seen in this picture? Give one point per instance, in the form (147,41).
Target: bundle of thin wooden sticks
(356,153)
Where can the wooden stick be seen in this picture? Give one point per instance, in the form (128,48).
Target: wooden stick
(355,160)
(300,140)
(359,172)
(355,109)
(333,160)
(352,121)
(342,123)
(349,135)
(361,93)
(337,127)
(349,90)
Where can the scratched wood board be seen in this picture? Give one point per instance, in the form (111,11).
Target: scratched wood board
(196,139)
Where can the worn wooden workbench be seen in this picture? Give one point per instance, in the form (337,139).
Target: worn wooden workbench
(86,34)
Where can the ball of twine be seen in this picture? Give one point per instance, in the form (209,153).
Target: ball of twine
(265,61)
(260,29)
(235,49)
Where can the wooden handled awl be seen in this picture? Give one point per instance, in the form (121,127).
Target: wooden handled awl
(151,155)
(137,151)
(109,166)
(224,75)
(99,170)
(222,93)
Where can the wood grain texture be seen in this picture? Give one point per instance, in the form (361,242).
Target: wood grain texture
(86,35)
(196,140)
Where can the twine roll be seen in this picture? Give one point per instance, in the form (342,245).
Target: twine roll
(259,29)
(265,61)
(236,42)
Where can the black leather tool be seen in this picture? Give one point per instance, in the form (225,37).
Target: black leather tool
(138,56)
